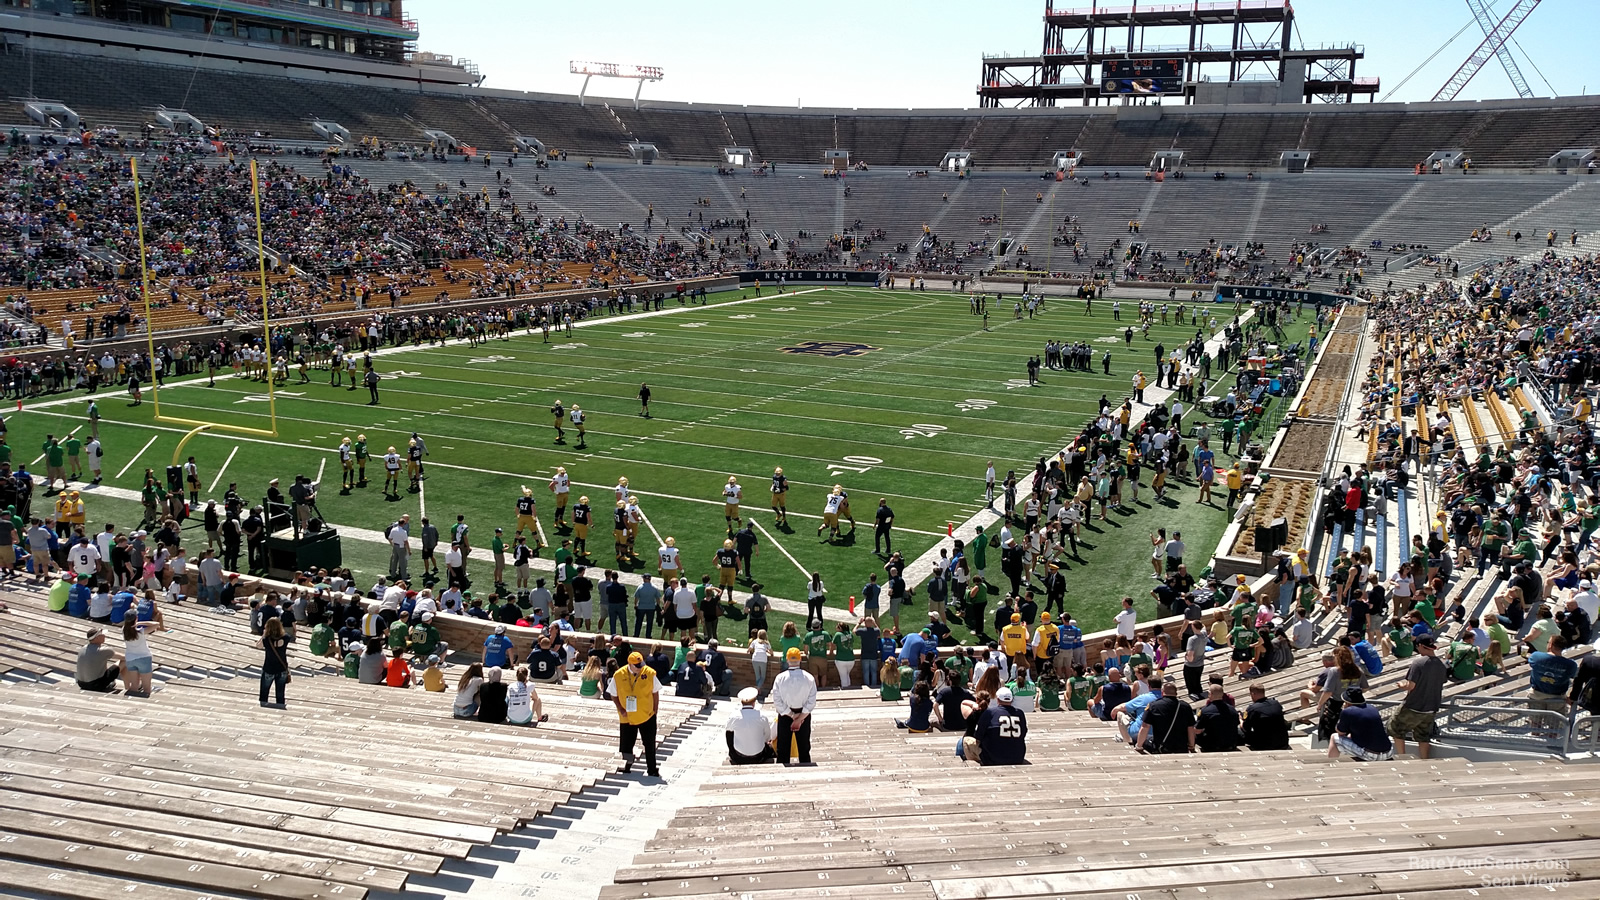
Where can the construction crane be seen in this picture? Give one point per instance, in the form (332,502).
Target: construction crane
(1494,41)
(1480,12)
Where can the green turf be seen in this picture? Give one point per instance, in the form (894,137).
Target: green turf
(727,400)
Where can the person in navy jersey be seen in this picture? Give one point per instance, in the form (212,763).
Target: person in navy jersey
(1002,733)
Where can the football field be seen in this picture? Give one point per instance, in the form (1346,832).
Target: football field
(901,396)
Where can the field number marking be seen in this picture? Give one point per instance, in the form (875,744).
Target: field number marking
(859,465)
(1017,383)
(640,334)
(490,359)
(972,405)
(922,430)
(693,325)
(567,346)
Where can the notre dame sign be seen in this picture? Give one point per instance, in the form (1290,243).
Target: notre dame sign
(829,348)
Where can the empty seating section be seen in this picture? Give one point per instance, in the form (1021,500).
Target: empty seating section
(123,92)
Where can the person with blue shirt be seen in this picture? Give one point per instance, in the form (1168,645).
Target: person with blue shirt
(916,646)
(1130,715)
(497,649)
(869,596)
(1551,675)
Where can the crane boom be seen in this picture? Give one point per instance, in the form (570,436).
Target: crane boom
(1493,40)
(1481,12)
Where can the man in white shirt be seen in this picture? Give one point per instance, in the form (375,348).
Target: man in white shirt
(85,558)
(988,485)
(1302,632)
(1126,619)
(683,608)
(453,564)
(400,547)
(210,578)
(750,733)
(104,541)
(1588,600)
(794,696)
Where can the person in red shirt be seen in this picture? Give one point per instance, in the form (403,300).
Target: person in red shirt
(398,672)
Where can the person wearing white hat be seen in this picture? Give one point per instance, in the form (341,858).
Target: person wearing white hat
(751,733)
(1002,733)
(1587,599)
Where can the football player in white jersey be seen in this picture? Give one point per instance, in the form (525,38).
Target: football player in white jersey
(670,566)
(562,485)
(577,416)
(391,470)
(830,514)
(731,495)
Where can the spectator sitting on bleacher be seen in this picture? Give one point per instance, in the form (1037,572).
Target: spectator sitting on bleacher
(920,719)
(1360,733)
(1001,733)
(1263,726)
(1217,725)
(98,667)
(750,732)
(1167,724)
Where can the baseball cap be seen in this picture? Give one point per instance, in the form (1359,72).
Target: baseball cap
(1003,695)
(1586,585)
(1423,640)
(1354,695)
(95,632)
(427,617)
(499,629)
(793,655)
(635,658)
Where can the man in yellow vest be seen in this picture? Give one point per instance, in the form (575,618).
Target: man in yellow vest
(1014,637)
(1045,639)
(636,692)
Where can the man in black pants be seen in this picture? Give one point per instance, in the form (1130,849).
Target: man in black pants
(372,385)
(636,692)
(794,696)
(880,529)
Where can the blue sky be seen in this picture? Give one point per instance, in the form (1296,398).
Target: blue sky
(926,54)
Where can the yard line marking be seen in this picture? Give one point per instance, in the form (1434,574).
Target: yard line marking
(218,480)
(774,541)
(422,494)
(322,467)
(41,456)
(137,455)
(652,527)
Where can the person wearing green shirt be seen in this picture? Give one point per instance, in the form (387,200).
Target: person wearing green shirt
(563,555)
(817,644)
(321,639)
(1244,613)
(398,634)
(980,553)
(1079,690)
(1498,634)
(362,454)
(908,677)
(889,684)
(5,452)
(844,654)
(1400,642)
(55,460)
(791,640)
(73,447)
(1140,659)
(424,638)
(352,662)
(1464,656)
(1243,640)
(497,546)
(1426,610)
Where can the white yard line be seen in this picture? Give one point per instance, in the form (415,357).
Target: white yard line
(774,542)
(139,454)
(647,524)
(218,480)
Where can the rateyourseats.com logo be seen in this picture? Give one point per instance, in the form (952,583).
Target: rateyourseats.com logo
(1493,871)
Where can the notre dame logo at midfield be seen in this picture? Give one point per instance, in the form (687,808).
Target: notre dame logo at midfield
(830,348)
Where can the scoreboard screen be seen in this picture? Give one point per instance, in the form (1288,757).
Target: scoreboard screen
(1141,76)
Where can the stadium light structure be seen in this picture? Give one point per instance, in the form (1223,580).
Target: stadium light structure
(588,70)
(1493,40)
